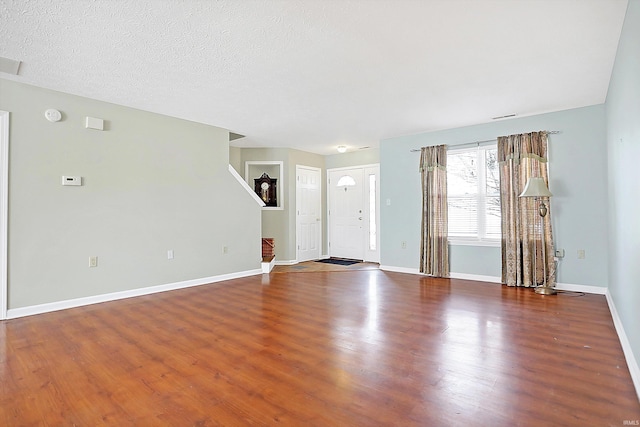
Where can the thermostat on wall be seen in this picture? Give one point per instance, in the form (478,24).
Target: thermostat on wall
(94,123)
(71,180)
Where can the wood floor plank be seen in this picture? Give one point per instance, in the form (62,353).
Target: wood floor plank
(344,348)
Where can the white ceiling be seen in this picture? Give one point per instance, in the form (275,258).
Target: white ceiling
(314,74)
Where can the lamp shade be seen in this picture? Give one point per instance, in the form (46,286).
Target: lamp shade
(536,188)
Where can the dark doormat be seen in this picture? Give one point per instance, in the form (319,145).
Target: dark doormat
(339,261)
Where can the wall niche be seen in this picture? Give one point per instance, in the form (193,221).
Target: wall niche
(266,179)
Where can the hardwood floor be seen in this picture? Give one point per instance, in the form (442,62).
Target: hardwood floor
(357,348)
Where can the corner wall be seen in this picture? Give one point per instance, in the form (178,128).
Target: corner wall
(151,183)
(623,143)
(281,224)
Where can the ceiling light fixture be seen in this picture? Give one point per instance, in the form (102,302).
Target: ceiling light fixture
(342,148)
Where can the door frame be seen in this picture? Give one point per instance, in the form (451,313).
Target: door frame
(4,200)
(365,188)
(319,170)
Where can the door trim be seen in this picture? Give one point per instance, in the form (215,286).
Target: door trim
(4,200)
(319,170)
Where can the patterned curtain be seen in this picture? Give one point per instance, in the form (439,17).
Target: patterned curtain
(521,157)
(434,247)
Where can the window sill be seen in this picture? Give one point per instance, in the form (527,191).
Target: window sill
(488,243)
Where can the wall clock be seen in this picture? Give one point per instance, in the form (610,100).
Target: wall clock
(265,188)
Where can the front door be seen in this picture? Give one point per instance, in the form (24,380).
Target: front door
(346,213)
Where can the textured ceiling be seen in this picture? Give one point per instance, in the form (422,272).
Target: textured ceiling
(314,74)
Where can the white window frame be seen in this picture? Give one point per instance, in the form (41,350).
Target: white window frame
(481,195)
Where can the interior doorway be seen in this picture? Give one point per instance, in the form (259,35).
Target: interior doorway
(308,213)
(354,211)
(4,191)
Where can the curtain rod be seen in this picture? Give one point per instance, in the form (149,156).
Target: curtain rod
(469,144)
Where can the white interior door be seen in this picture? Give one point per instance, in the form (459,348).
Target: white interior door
(309,213)
(346,213)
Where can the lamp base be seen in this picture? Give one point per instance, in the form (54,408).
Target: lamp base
(545,290)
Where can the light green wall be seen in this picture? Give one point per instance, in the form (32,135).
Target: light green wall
(370,156)
(150,183)
(235,159)
(623,138)
(281,224)
(577,163)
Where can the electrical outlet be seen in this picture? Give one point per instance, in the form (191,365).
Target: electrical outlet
(580,253)
(170,254)
(559,253)
(93,261)
(403,245)
(225,250)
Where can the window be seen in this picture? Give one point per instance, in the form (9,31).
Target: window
(346,181)
(473,187)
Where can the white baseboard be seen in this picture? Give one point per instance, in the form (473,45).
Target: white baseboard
(78,302)
(587,289)
(295,261)
(464,276)
(632,361)
(476,277)
(399,269)
(267,266)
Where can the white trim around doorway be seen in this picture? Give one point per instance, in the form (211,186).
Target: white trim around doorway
(4,199)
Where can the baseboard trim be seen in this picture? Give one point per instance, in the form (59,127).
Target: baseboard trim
(395,269)
(114,296)
(632,361)
(268,266)
(463,276)
(588,289)
(475,277)
(289,262)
